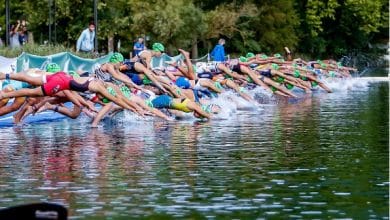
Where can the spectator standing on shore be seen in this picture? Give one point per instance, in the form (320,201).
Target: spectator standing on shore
(14,35)
(139,46)
(85,43)
(23,33)
(218,53)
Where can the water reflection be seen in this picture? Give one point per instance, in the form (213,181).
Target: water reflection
(320,157)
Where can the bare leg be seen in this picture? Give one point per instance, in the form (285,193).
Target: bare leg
(4,102)
(35,81)
(103,111)
(18,102)
(22,92)
(190,70)
(26,107)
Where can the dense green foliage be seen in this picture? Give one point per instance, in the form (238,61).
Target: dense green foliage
(42,50)
(319,28)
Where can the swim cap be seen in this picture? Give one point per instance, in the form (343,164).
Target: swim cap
(289,86)
(263,56)
(279,79)
(218,85)
(243,59)
(73,73)
(250,55)
(296,73)
(158,47)
(183,83)
(52,68)
(211,108)
(277,55)
(126,91)
(116,58)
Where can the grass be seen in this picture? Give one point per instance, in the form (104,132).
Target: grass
(41,50)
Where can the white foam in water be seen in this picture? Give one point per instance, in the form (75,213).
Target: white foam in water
(131,116)
(262,96)
(343,85)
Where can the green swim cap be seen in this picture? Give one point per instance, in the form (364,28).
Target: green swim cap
(111,91)
(250,55)
(263,56)
(73,73)
(218,85)
(146,80)
(126,91)
(149,103)
(297,73)
(158,47)
(242,89)
(277,55)
(105,100)
(116,58)
(243,59)
(52,68)
(275,66)
(206,108)
(314,83)
(279,79)
(289,86)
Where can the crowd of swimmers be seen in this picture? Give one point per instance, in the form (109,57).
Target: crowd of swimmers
(165,91)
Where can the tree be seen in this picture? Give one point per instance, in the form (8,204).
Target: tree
(174,23)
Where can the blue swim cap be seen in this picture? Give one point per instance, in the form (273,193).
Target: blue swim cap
(183,83)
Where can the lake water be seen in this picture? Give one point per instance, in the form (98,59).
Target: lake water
(323,156)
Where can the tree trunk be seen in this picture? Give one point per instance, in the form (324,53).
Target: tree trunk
(194,54)
(30,37)
(110,44)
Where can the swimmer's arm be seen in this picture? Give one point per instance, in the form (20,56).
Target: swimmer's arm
(76,99)
(193,106)
(121,77)
(73,98)
(84,102)
(230,72)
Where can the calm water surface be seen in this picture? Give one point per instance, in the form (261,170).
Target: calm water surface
(320,157)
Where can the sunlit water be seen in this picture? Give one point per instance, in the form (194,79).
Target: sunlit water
(323,156)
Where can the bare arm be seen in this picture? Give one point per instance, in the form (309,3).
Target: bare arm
(196,108)
(120,76)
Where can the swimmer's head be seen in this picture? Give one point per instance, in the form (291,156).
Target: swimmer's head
(116,58)
(158,48)
(53,68)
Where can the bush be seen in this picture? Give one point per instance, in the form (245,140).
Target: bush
(41,50)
